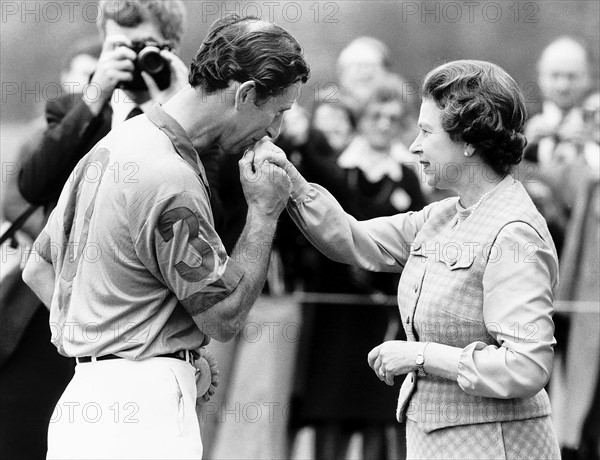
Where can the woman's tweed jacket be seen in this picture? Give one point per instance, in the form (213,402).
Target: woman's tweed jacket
(441,292)
(440,296)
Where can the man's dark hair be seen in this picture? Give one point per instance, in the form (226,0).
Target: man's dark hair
(248,49)
(168,15)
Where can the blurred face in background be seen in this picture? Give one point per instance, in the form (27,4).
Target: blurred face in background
(591,111)
(564,74)
(295,125)
(334,122)
(381,122)
(360,66)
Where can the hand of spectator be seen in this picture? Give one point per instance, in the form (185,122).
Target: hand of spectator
(266,187)
(572,130)
(537,128)
(392,358)
(179,79)
(115,65)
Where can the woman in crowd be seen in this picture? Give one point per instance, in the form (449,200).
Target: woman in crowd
(376,161)
(341,396)
(479,275)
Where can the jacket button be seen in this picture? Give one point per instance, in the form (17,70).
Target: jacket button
(416,288)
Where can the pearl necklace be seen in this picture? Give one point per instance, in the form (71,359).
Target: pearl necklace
(480,201)
(483,197)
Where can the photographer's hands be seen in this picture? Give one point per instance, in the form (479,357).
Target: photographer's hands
(114,66)
(179,78)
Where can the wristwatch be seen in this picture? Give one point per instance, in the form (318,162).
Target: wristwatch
(420,362)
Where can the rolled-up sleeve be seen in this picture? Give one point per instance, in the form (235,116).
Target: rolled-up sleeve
(381,244)
(180,246)
(519,284)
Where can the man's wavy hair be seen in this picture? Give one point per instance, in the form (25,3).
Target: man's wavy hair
(248,49)
(168,15)
(482,105)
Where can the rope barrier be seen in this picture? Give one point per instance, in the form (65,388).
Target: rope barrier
(560,306)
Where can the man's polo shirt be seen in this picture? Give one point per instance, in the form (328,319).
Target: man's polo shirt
(133,246)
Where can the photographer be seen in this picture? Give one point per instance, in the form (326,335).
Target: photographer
(77,121)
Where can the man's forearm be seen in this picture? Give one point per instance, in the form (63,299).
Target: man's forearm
(251,253)
(253,250)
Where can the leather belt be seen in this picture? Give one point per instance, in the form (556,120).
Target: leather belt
(184,355)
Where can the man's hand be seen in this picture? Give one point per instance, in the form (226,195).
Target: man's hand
(266,186)
(179,79)
(114,66)
(395,357)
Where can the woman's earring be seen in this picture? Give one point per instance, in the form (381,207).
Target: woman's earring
(466,153)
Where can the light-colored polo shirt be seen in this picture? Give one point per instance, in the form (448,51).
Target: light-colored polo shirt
(133,246)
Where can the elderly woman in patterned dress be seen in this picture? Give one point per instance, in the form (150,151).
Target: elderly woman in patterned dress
(479,272)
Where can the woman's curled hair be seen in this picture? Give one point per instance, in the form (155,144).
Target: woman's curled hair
(482,105)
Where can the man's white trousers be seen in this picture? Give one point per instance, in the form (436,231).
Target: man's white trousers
(122,409)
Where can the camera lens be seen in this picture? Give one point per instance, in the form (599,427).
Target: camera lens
(150,60)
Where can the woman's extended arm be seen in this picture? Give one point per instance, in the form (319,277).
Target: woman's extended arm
(381,244)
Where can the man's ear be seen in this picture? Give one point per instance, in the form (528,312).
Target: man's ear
(246,93)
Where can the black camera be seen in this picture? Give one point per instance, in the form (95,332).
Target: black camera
(149,60)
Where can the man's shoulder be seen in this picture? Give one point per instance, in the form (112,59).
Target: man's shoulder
(139,136)
(141,147)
